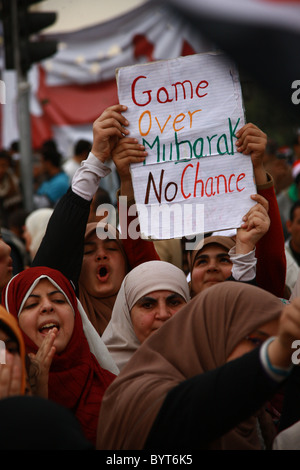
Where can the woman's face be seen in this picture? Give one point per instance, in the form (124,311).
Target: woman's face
(47,308)
(103,267)
(6,264)
(254,339)
(152,310)
(212,264)
(10,343)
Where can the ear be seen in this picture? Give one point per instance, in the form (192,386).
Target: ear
(289,224)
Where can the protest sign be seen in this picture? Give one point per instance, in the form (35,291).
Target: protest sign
(186,112)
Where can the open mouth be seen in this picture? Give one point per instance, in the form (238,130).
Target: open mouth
(103,272)
(45,329)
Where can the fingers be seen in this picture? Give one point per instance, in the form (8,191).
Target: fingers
(261,200)
(5,376)
(257,216)
(112,121)
(129,149)
(47,349)
(108,129)
(259,222)
(16,376)
(10,376)
(250,139)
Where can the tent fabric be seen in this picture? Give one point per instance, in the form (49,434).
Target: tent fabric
(73,87)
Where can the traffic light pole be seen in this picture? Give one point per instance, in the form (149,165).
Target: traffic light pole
(26,160)
(20,53)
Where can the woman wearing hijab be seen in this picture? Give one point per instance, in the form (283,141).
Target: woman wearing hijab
(63,246)
(186,387)
(149,295)
(48,312)
(221,257)
(34,230)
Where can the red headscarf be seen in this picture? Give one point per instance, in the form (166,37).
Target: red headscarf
(76,379)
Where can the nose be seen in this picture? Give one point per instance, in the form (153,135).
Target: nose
(46,306)
(101,253)
(212,265)
(162,312)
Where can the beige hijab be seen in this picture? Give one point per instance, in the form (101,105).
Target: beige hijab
(296,290)
(197,339)
(99,310)
(119,336)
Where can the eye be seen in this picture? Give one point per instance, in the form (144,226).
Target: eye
(254,340)
(12,346)
(59,301)
(200,261)
(30,305)
(88,252)
(111,246)
(176,301)
(147,305)
(225,260)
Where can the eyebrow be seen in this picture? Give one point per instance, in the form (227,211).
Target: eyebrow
(147,298)
(219,255)
(49,293)
(106,240)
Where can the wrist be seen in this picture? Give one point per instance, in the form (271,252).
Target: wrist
(242,248)
(277,366)
(260,175)
(98,155)
(278,354)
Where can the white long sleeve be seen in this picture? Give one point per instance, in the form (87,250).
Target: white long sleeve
(87,178)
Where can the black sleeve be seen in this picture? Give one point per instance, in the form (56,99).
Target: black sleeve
(63,242)
(291,403)
(205,407)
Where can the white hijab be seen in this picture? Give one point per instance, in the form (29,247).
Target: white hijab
(36,224)
(119,335)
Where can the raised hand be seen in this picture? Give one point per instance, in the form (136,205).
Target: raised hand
(11,376)
(127,151)
(107,130)
(253,141)
(280,350)
(255,225)
(40,363)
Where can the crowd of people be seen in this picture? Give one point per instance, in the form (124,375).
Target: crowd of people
(119,348)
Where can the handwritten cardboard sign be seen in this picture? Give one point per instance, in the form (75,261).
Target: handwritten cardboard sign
(186,112)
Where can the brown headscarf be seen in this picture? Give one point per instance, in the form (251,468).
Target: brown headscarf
(197,339)
(99,310)
(224,241)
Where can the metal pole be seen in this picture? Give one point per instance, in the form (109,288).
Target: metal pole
(26,160)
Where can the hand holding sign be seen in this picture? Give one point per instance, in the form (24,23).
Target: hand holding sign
(107,130)
(253,141)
